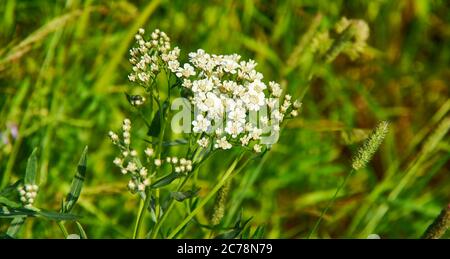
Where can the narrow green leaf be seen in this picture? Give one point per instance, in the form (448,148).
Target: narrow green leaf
(6,236)
(18,217)
(176,142)
(259,232)
(238,229)
(181,196)
(24,212)
(165,180)
(77,183)
(11,189)
(81,230)
(9,203)
(15,226)
(30,173)
(155,126)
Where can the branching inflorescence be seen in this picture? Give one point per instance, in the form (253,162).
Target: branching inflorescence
(230,106)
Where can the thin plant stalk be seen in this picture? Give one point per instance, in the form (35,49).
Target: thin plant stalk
(330,203)
(155,230)
(143,204)
(63,229)
(216,188)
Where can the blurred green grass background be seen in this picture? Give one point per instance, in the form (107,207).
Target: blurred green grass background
(63,72)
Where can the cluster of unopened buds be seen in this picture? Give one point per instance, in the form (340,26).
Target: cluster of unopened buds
(28,193)
(130,164)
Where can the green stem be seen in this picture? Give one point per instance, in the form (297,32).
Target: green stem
(216,188)
(63,229)
(155,230)
(167,212)
(143,204)
(329,204)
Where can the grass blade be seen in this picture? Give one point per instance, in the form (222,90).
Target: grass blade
(30,173)
(77,183)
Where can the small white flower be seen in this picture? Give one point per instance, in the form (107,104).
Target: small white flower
(131,185)
(245,139)
(222,143)
(149,152)
(203,85)
(203,142)
(174,160)
(257,86)
(257,148)
(183,161)
(275,89)
(141,187)
(114,137)
(131,167)
(186,71)
(144,77)
(146,182)
(234,128)
(133,152)
(143,172)
(132,77)
(187,83)
(253,100)
(256,133)
(177,169)
(118,161)
(201,124)
(124,171)
(158,162)
(294,113)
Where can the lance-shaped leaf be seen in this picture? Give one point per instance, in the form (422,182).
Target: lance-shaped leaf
(165,180)
(31,171)
(181,196)
(155,126)
(33,212)
(234,233)
(77,183)
(9,203)
(81,230)
(19,218)
(10,190)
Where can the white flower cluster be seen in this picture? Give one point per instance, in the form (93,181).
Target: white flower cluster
(149,57)
(129,162)
(28,193)
(225,90)
(181,165)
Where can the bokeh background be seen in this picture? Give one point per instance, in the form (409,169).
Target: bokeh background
(63,74)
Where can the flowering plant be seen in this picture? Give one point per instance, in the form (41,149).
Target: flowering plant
(225,103)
